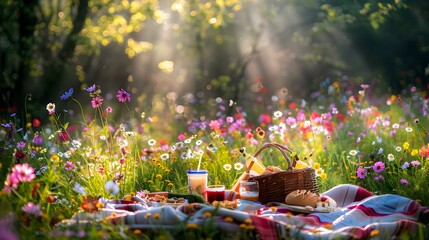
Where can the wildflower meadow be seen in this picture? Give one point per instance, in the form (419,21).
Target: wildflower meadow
(80,155)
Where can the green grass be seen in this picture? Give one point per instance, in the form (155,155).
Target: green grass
(145,153)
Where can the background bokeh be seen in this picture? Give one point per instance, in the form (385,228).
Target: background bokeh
(244,50)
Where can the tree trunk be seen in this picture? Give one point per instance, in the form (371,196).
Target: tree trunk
(55,70)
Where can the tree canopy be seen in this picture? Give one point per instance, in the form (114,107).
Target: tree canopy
(222,47)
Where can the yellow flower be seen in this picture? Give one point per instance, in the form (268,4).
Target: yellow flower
(170,185)
(99,205)
(148,215)
(207,214)
(159,176)
(149,181)
(248,221)
(316,165)
(406,145)
(414,152)
(156,216)
(250,227)
(192,225)
(101,233)
(55,158)
(289,214)
(323,176)
(319,171)
(374,232)
(137,231)
(228,219)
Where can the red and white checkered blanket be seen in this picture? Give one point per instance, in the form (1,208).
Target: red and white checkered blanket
(383,216)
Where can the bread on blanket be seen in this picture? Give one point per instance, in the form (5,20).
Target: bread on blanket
(303,198)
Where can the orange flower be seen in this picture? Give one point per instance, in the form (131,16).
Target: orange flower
(374,232)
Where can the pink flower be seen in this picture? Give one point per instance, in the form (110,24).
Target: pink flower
(214,124)
(379,167)
(290,121)
(109,109)
(415,163)
(69,166)
(229,119)
(32,209)
(181,137)
(96,102)
(123,96)
(300,117)
(11,182)
(23,172)
(361,172)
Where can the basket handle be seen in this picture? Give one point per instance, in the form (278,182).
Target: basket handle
(281,148)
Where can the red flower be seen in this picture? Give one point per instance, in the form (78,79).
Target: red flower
(314,115)
(265,118)
(36,122)
(63,136)
(292,106)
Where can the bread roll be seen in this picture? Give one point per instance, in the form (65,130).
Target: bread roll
(303,198)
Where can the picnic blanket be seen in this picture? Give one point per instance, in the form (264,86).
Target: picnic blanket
(361,216)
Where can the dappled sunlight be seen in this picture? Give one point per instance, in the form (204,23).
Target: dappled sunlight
(106,106)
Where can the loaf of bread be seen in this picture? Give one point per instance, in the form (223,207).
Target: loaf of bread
(271,170)
(303,198)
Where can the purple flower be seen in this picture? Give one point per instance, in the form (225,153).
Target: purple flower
(37,140)
(123,96)
(378,167)
(404,182)
(67,94)
(379,178)
(32,209)
(361,172)
(405,165)
(20,145)
(91,88)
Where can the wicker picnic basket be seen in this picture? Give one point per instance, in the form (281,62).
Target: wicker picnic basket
(275,187)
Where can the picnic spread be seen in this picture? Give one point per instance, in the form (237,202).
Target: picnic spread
(359,216)
(271,204)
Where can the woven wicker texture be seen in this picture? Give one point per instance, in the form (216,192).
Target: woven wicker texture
(275,187)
